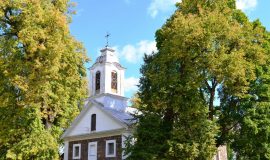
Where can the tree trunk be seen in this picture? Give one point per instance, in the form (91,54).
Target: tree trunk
(211,104)
(212,92)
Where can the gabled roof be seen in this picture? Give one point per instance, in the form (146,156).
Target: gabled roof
(123,118)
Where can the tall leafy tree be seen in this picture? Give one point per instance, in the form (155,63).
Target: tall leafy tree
(245,122)
(42,77)
(207,50)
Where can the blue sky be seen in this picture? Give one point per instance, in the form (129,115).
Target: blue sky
(132,25)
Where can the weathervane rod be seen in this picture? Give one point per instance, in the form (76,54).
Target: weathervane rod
(107,38)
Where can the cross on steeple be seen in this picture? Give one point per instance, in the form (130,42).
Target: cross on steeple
(107,38)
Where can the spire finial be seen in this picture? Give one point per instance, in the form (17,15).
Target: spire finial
(107,38)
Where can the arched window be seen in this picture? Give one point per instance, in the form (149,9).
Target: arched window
(114,82)
(97,82)
(93,122)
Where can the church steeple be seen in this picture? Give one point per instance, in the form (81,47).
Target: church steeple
(106,74)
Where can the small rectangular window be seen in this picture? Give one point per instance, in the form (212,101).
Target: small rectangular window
(93,122)
(76,151)
(111,148)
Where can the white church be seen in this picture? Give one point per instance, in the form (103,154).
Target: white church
(100,130)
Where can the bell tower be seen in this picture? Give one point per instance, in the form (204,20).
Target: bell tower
(106,74)
(107,80)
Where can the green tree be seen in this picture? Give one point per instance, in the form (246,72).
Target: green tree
(42,77)
(246,121)
(206,48)
(135,101)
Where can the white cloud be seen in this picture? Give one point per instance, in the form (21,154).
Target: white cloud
(157,6)
(129,52)
(131,84)
(246,4)
(134,53)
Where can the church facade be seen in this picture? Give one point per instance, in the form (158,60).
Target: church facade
(100,130)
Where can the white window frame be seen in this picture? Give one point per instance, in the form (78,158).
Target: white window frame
(73,153)
(107,148)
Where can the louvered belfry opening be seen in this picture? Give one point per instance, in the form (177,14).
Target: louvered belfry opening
(114,82)
(98,82)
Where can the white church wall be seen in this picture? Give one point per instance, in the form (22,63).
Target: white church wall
(122,82)
(91,83)
(103,122)
(108,78)
(110,56)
